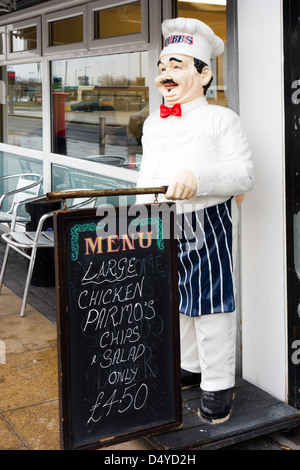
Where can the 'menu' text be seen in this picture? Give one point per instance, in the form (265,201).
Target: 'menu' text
(115,243)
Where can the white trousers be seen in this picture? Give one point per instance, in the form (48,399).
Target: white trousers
(208,346)
(208,342)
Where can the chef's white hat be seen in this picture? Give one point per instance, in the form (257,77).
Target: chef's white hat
(191,37)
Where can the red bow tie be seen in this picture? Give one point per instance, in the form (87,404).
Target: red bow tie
(165,111)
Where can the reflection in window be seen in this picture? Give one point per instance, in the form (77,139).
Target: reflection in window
(24,106)
(118,21)
(212,13)
(99,106)
(23,39)
(14,164)
(2,38)
(64,178)
(66,31)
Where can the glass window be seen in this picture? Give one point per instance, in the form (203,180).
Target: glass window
(118,21)
(24,106)
(213,13)
(99,105)
(2,39)
(64,178)
(11,164)
(23,39)
(66,31)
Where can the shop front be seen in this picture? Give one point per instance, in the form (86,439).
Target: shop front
(79,84)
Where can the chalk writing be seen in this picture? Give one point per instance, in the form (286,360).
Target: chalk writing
(121,327)
(118,314)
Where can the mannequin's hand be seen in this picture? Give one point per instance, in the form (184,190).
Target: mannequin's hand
(182,186)
(239,199)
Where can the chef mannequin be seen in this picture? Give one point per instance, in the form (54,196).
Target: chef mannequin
(200,152)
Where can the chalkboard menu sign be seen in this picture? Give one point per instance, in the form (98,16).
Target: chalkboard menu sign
(118,329)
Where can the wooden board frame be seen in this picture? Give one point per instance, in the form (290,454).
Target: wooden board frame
(68,348)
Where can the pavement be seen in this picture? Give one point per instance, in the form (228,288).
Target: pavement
(29,416)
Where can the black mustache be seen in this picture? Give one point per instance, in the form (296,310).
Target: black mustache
(164,82)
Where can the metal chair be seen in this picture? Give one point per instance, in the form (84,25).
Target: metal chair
(27,243)
(27,185)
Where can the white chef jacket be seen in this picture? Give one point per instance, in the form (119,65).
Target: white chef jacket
(207,139)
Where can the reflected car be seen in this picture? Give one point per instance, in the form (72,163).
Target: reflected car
(86,106)
(89,106)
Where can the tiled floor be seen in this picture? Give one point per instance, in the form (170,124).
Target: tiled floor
(28,380)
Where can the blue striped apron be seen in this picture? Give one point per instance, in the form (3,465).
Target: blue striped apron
(205,261)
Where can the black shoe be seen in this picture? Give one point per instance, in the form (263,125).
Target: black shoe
(189,378)
(215,406)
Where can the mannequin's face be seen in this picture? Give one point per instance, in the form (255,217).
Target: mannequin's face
(179,81)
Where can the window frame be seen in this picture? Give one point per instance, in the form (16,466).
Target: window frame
(33,53)
(63,15)
(3,31)
(122,40)
(153,17)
